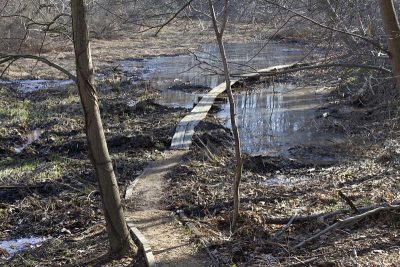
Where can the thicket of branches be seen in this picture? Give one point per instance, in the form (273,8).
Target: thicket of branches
(342,31)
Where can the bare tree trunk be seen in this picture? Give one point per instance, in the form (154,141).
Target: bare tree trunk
(238,154)
(118,233)
(392,29)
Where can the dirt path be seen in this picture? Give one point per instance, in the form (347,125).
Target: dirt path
(169,240)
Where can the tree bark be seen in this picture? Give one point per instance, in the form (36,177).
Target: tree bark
(392,30)
(118,234)
(238,154)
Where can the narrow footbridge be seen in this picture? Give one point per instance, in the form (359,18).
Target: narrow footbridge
(184,132)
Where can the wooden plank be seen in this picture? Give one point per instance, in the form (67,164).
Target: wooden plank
(143,244)
(182,138)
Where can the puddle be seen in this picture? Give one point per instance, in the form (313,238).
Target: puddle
(165,71)
(31,137)
(275,118)
(13,246)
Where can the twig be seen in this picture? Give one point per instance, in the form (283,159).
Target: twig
(5,58)
(280,232)
(348,201)
(366,39)
(345,222)
(160,27)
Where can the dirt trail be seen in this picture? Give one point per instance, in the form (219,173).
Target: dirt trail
(169,240)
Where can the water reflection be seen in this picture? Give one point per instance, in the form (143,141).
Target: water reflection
(274,118)
(178,99)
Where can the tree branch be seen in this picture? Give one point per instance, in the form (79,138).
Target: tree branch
(173,17)
(377,45)
(5,58)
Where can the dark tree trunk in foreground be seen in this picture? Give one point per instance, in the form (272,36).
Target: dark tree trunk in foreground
(238,154)
(118,233)
(392,29)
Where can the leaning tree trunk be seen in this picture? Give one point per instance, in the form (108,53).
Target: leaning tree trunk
(238,154)
(392,29)
(119,238)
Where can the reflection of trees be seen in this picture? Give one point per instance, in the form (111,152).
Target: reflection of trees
(268,121)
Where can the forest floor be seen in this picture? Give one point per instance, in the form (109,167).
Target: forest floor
(49,189)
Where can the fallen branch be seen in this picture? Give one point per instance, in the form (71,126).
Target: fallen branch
(330,65)
(272,70)
(280,232)
(13,187)
(303,263)
(323,216)
(347,221)
(210,155)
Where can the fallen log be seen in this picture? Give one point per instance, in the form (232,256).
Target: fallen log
(274,69)
(295,67)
